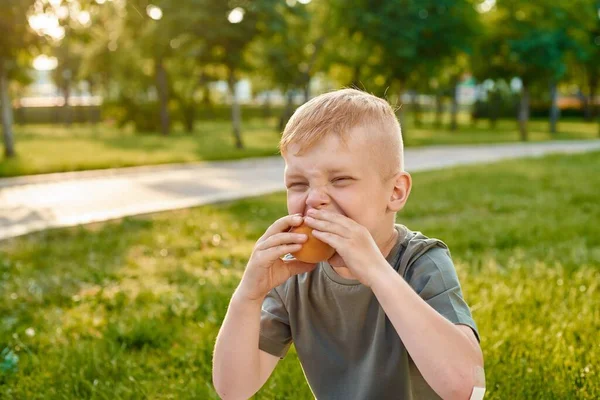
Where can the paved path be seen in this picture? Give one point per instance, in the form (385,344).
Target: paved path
(39,202)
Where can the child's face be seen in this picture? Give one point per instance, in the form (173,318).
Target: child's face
(340,177)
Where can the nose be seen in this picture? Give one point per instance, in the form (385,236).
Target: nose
(317,198)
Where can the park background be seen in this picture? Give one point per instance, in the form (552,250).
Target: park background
(130,308)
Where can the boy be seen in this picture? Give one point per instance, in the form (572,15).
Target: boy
(383,318)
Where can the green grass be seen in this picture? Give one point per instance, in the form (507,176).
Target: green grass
(505,131)
(130,309)
(47,148)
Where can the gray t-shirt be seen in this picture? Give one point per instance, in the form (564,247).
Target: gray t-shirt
(347,346)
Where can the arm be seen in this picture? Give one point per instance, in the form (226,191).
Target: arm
(447,355)
(240,368)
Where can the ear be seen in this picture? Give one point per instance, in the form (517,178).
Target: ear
(400,191)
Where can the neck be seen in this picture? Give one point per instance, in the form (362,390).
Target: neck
(388,245)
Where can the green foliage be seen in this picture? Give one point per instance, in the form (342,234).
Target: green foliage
(130,309)
(160,71)
(413,39)
(282,54)
(529,40)
(16,36)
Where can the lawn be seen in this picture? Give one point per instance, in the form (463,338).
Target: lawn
(47,148)
(130,309)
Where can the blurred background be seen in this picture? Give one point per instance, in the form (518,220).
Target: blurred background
(195,67)
(130,308)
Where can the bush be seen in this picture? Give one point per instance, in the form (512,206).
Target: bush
(145,117)
(57,115)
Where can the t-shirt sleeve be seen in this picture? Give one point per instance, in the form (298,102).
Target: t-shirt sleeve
(434,278)
(275,333)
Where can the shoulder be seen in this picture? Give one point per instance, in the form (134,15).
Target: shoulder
(424,256)
(419,249)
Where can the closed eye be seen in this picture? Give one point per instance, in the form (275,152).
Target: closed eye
(296,185)
(342,179)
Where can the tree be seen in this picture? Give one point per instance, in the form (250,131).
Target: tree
(69,49)
(154,33)
(526,40)
(413,36)
(229,28)
(585,31)
(130,54)
(286,53)
(449,75)
(15,41)
(191,75)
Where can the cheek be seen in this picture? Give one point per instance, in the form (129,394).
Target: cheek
(364,209)
(350,203)
(295,203)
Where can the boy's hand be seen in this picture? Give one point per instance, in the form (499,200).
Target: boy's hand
(352,241)
(266,270)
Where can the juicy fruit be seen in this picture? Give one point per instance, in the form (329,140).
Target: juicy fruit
(313,250)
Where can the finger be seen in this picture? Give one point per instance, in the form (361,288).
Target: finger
(327,226)
(283,224)
(282,238)
(332,217)
(332,239)
(276,252)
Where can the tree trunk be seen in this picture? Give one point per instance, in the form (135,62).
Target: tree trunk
(66,92)
(439,109)
(356,77)
(586,105)
(207,102)
(287,111)
(593,108)
(7,117)
(524,112)
(599,124)
(162,87)
(267,105)
(307,90)
(400,114)
(416,109)
(206,96)
(494,108)
(454,109)
(189,115)
(311,63)
(67,110)
(235,111)
(554,110)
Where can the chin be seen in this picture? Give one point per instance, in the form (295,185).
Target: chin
(337,261)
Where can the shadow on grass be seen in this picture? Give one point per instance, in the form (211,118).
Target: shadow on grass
(131,309)
(128,308)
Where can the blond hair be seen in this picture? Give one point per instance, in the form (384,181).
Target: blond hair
(339,112)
